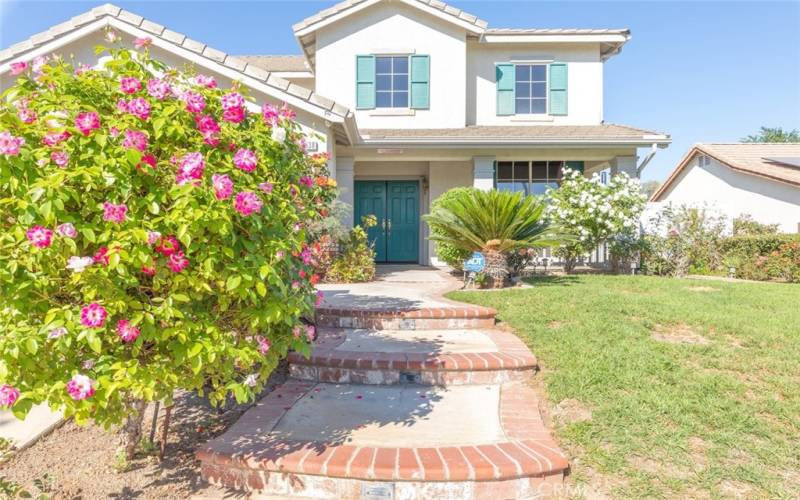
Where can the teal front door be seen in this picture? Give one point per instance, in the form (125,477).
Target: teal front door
(395,204)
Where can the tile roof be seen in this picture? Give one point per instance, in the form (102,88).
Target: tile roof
(521,133)
(749,158)
(277,63)
(244,67)
(348,4)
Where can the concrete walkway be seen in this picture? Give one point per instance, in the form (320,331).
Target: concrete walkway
(23,433)
(405,395)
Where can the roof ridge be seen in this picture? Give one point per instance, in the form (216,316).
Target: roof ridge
(631,127)
(213,55)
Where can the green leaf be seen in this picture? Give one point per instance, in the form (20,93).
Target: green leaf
(94,341)
(89,234)
(180,297)
(32,345)
(21,408)
(261,289)
(233,282)
(154,208)
(195,349)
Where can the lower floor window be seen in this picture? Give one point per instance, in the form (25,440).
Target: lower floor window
(529,177)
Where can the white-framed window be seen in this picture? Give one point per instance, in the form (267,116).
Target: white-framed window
(391,81)
(529,177)
(531,89)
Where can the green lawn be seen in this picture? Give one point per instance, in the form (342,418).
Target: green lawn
(717,416)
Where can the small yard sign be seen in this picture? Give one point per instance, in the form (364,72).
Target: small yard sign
(475,263)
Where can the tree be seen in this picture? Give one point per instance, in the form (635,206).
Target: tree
(594,211)
(152,237)
(776,134)
(650,187)
(493,222)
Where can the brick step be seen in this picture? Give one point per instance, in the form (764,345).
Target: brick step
(341,441)
(423,318)
(427,357)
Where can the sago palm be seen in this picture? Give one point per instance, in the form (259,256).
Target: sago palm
(494,223)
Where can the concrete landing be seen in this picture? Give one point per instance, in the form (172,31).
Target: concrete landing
(395,416)
(420,341)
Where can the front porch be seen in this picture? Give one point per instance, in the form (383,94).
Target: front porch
(397,186)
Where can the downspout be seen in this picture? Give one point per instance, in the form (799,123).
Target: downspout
(646,160)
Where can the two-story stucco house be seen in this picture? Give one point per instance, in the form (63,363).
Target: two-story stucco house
(411,98)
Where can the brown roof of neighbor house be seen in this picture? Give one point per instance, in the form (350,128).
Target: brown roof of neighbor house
(277,63)
(519,134)
(760,159)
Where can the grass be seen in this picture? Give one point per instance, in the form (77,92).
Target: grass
(693,386)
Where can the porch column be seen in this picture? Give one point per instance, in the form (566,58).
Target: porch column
(483,172)
(345,174)
(625,164)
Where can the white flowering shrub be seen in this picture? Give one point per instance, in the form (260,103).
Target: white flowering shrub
(593,211)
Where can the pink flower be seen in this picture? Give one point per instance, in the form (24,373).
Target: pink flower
(320,298)
(67,230)
(38,63)
(168,246)
(80,387)
(78,264)
(130,85)
(245,160)
(27,116)
(263,345)
(114,213)
(57,333)
(8,396)
(111,36)
(39,236)
(247,203)
(149,270)
(147,159)
(233,115)
(306,181)
(223,186)
(122,105)
(101,256)
(93,316)
(206,81)
(209,128)
(270,114)
(88,364)
(126,331)
(139,107)
(195,103)
(60,158)
(311,332)
(306,256)
(177,262)
(232,100)
(266,187)
(81,69)
(153,237)
(9,144)
(113,132)
(191,168)
(279,254)
(135,139)
(18,67)
(142,42)
(297,226)
(296,331)
(158,89)
(295,285)
(54,138)
(86,122)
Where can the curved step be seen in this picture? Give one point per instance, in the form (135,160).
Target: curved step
(428,357)
(382,317)
(335,441)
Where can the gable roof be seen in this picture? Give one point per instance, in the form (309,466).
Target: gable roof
(278,64)
(179,44)
(771,161)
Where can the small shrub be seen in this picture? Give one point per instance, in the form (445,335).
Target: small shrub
(745,225)
(451,255)
(519,260)
(355,262)
(766,257)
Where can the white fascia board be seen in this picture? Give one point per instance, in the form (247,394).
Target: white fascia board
(293,74)
(546,38)
(460,143)
(472,28)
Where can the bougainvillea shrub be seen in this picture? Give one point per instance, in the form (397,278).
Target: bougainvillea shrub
(594,211)
(153,237)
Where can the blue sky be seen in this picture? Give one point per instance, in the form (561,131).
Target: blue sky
(700,71)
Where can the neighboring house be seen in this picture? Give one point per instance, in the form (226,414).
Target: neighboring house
(419,97)
(762,180)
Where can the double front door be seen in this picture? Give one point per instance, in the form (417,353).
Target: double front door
(395,205)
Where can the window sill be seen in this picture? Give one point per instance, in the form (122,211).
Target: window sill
(392,112)
(531,118)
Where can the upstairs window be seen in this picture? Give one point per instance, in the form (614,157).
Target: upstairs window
(531,89)
(391,81)
(529,177)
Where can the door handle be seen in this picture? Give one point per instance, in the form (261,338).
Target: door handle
(383,224)
(389,225)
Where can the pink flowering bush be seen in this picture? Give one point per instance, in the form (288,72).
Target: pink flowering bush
(144,246)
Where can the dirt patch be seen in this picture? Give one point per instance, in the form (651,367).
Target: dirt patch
(570,411)
(78,462)
(735,489)
(698,451)
(555,325)
(679,334)
(703,289)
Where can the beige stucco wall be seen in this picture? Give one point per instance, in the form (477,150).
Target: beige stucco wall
(445,175)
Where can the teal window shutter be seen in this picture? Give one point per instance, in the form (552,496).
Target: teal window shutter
(365,82)
(575,165)
(558,89)
(505,76)
(420,82)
